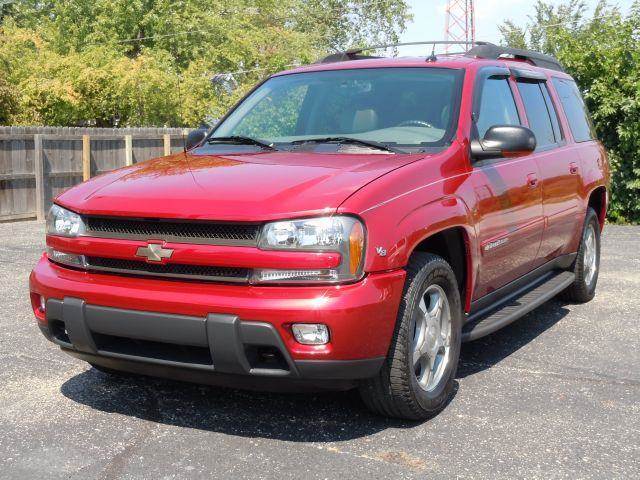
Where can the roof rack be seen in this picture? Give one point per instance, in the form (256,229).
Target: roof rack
(495,52)
(355,53)
(477,49)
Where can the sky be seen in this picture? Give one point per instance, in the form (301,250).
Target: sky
(429,18)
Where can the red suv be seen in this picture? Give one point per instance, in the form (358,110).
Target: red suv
(347,224)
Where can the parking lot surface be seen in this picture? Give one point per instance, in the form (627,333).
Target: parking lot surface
(554,395)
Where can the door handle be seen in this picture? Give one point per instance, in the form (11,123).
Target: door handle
(573,168)
(532,180)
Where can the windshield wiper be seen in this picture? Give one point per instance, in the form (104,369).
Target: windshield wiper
(241,140)
(349,140)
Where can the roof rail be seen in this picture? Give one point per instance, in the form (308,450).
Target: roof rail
(355,53)
(477,49)
(494,52)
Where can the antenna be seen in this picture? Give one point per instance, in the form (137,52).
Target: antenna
(460,22)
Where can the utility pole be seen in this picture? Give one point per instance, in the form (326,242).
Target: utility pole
(460,23)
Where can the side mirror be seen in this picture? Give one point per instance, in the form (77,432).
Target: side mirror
(504,141)
(194,138)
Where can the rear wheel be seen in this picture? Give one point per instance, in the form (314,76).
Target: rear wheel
(417,378)
(587,264)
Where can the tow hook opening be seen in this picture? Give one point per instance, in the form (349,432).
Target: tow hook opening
(265,357)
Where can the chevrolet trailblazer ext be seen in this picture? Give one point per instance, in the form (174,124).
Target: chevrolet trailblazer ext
(347,224)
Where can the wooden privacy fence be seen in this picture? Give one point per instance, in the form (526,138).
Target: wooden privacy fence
(37,163)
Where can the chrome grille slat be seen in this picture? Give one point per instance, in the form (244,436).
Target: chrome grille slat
(169,270)
(213,233)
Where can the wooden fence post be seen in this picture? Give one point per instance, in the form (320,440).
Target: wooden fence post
(128,150)
(167,144)
(38,160)
(86,157)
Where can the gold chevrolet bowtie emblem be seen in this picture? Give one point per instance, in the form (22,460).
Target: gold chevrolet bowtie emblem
(154,252)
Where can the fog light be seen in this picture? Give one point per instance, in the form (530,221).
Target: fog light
(43,304)
(311,333)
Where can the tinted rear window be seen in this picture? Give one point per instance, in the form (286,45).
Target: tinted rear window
(552,112)
(575,109)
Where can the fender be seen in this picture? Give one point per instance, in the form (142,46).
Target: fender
(432,218)
(596,171)
(595,174)
(392,240)
(435,217)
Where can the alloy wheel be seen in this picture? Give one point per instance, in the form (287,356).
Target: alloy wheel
(431,344)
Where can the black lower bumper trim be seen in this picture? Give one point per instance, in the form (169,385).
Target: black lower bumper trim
(215,349)
(339,369)
(314,382)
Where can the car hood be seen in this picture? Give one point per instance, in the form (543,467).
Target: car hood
(245,187)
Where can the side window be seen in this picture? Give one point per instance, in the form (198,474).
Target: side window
(575,109)
(553,113)
(537,113)
(497,106)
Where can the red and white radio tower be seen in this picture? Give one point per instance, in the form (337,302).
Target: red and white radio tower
(461,23)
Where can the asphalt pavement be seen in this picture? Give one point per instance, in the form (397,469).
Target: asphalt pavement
(554,395)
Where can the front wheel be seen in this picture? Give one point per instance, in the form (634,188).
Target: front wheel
(417,378)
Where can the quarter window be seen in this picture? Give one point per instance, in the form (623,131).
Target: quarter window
(553,113)
(497,106)
(575,109)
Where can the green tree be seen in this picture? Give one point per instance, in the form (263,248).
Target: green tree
(602,52)
(8,101)
(151,62)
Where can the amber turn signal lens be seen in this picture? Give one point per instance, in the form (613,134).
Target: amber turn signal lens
(356,247)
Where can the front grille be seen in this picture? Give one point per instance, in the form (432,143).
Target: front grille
(149,349)
(177,270)
(175,231)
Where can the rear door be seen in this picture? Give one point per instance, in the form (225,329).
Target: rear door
(558,164)
(509,198)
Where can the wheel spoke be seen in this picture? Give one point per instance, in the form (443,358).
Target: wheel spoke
(420,352)
(422,306)
(424,373)
(435,312)
(419,337)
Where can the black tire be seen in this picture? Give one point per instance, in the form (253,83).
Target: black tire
(582,291)
(395,391)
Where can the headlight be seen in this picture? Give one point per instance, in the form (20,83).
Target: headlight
(64,223)
(341,234)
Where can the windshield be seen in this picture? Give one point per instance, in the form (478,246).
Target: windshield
(412,107)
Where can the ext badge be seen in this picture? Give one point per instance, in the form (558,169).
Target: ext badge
(495,244)
(154,252)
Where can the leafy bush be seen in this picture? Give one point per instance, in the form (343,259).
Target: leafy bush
(151,62)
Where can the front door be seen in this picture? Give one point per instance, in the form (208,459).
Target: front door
(509,215)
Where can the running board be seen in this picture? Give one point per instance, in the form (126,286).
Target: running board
(517,305)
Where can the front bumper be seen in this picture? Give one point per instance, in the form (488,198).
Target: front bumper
(197,331)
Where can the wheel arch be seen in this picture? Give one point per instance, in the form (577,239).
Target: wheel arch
(452,243)
(598,200)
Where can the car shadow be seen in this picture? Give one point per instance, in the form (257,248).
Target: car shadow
(486,352)
(296,417)
(315,417)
